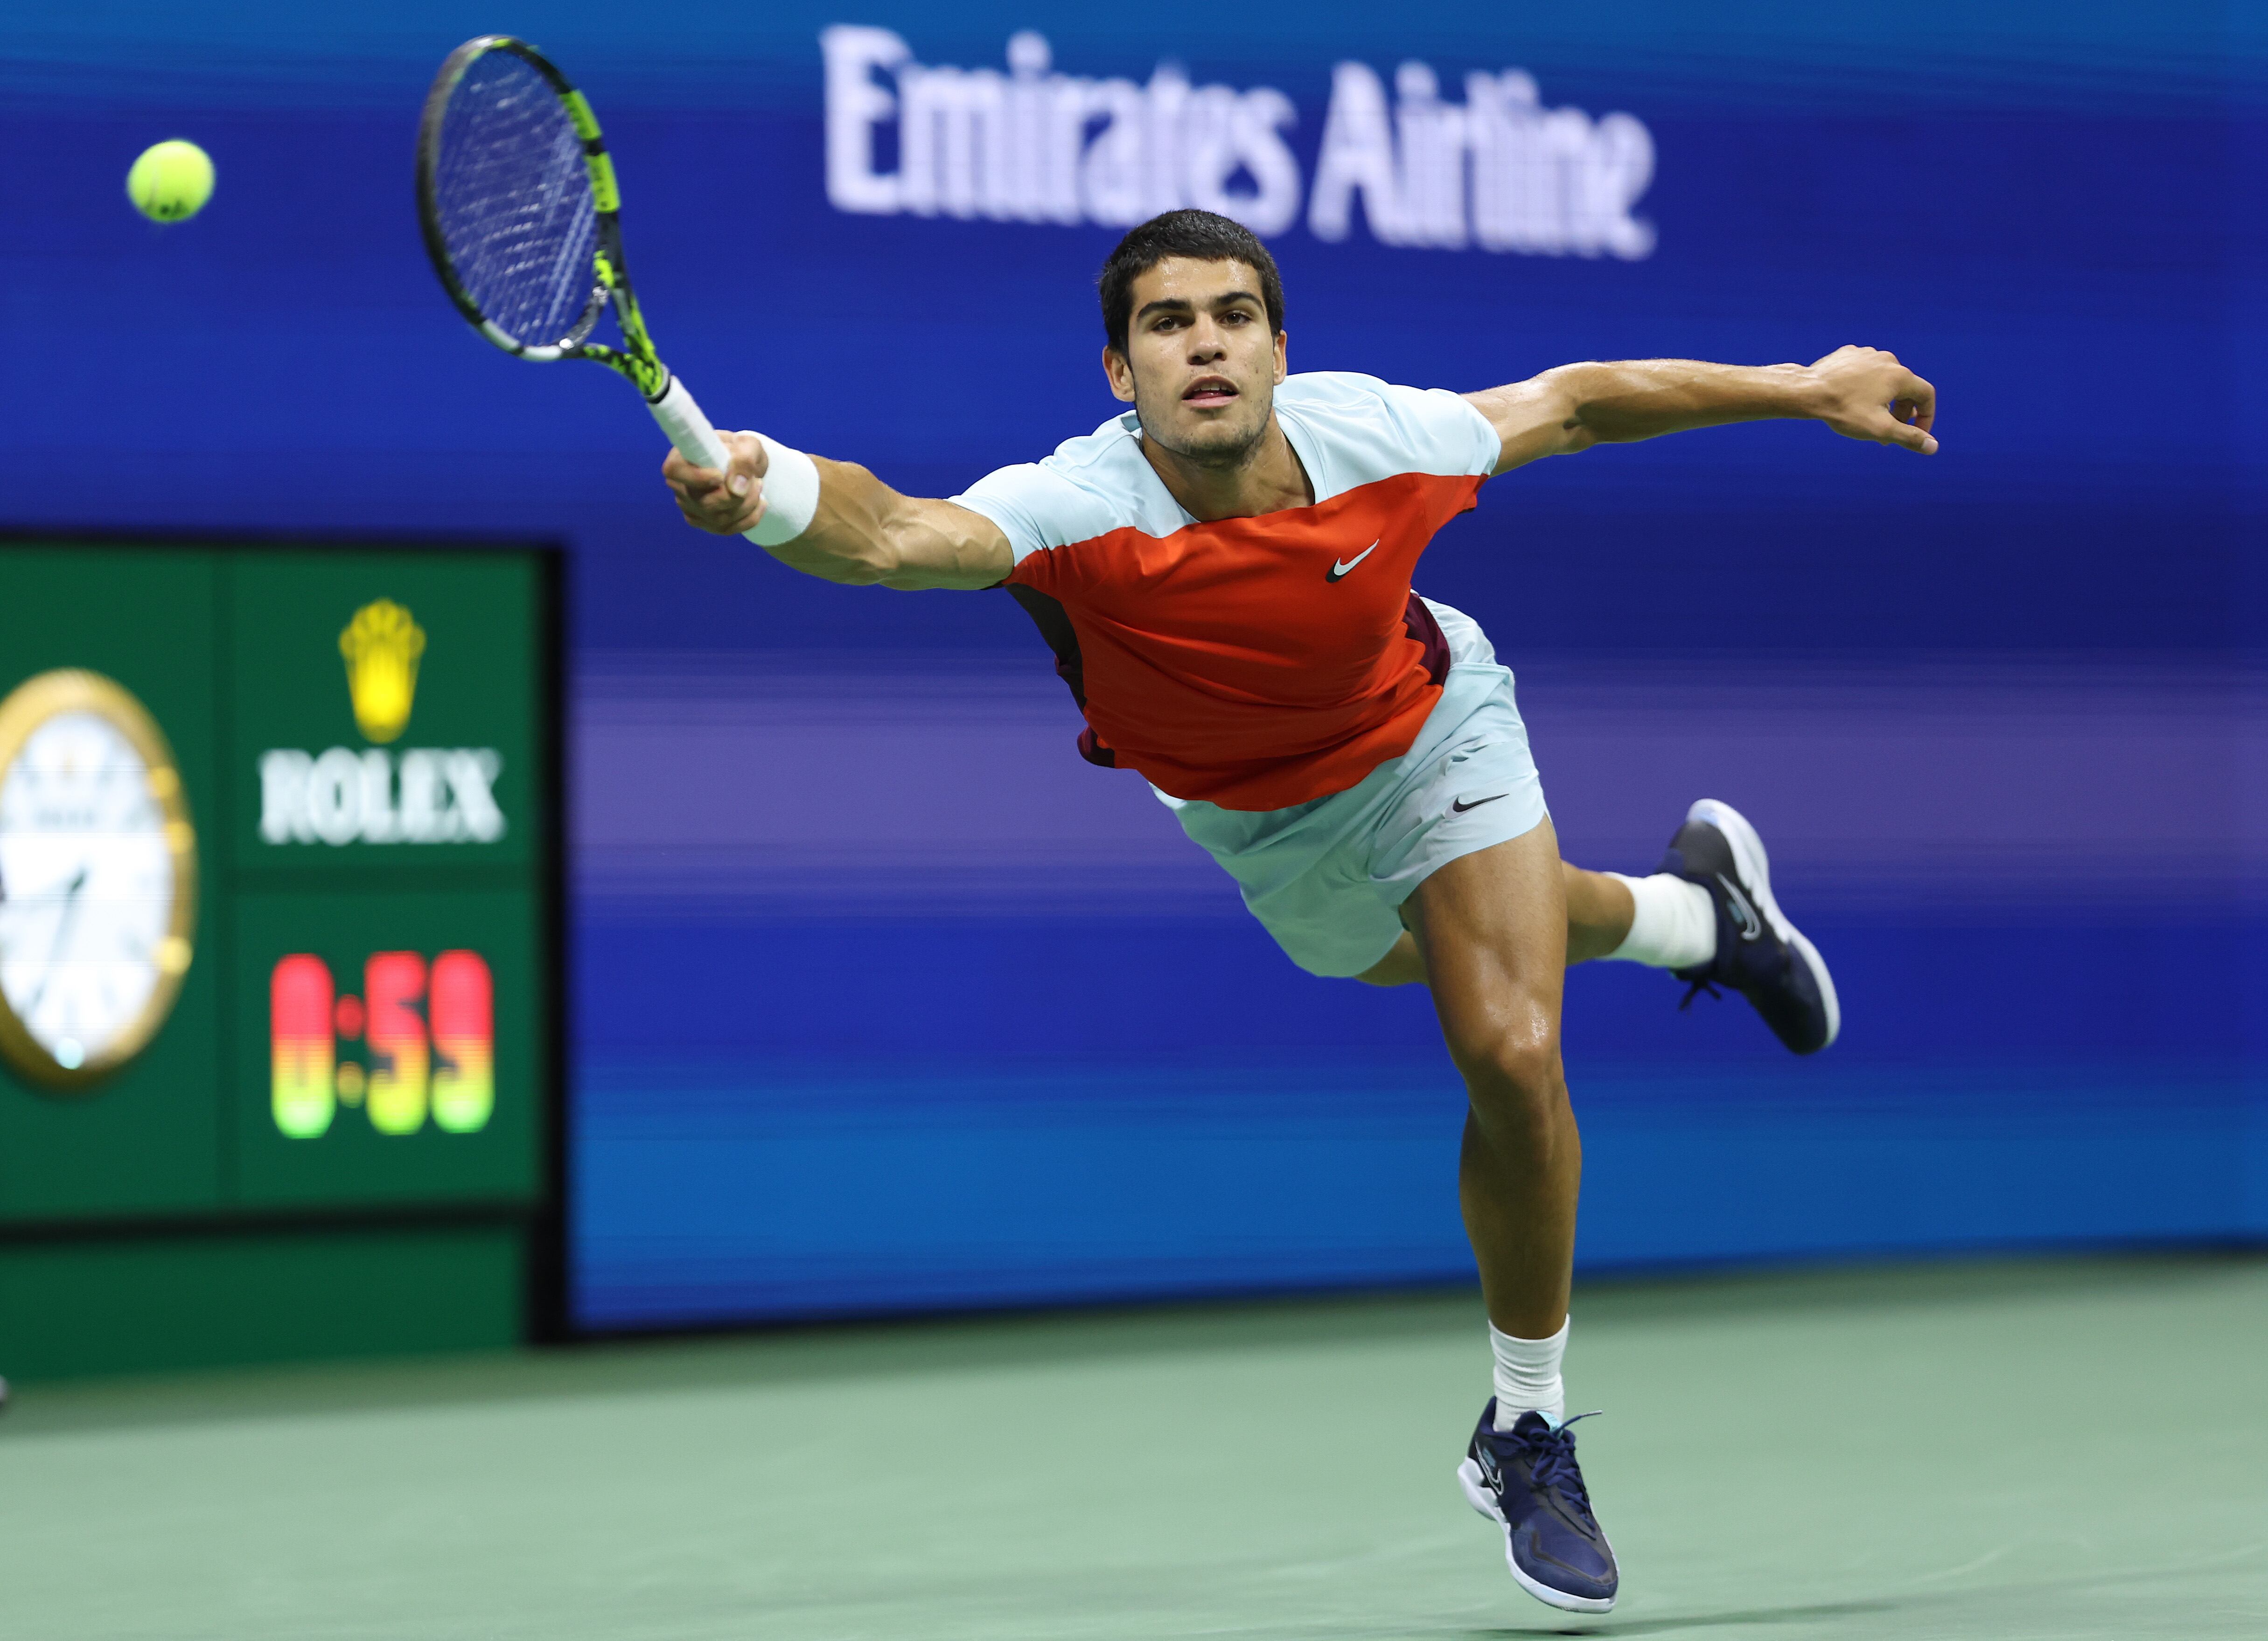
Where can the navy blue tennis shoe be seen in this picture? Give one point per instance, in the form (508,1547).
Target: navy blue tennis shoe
(1760,954)
(1526,1481)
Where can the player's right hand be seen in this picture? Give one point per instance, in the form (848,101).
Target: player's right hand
(727,503)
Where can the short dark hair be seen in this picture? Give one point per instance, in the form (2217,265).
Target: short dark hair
(1202,236)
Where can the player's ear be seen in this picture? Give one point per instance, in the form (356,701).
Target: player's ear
(1121,374)
(1283,357)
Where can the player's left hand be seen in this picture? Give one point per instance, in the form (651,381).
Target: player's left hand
(1864,392)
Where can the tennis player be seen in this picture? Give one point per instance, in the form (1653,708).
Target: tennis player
(1223,575)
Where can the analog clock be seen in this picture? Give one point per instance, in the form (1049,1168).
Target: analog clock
(97,879)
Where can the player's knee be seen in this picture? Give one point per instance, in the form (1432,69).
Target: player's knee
(1514,1075)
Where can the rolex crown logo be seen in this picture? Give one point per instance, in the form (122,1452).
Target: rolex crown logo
(381,646)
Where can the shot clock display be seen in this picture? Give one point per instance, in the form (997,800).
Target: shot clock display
(439,1063)
(396,1042)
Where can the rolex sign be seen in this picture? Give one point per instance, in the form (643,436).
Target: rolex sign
(373,794)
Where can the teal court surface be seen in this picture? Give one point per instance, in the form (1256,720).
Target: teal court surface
(2049,1449)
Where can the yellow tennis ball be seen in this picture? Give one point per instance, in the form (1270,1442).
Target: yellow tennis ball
(172,181)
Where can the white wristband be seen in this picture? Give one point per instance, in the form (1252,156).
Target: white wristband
(790,494)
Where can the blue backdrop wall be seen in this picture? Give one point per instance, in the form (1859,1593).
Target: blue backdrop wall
(882,999)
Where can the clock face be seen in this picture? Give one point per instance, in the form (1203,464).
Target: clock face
(97,874)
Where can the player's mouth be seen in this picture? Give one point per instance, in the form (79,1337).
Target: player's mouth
(1209,393)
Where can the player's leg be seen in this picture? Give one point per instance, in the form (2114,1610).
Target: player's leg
(1601,906)
(1491,929)
(1707,914)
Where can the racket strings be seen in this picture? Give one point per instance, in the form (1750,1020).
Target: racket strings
(513,198)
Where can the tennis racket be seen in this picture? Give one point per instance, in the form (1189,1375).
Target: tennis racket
(516,197)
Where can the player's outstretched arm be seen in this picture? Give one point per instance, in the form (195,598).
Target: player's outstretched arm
(1861,393)
(864,535)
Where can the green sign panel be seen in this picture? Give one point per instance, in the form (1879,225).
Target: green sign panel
(389,705)
(276,884)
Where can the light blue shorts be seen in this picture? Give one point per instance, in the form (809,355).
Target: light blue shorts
(1328,878)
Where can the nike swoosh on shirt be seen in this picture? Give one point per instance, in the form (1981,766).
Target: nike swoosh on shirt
(1460,805)
(1338,568)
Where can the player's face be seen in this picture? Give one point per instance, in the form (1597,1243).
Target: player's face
(1201,365)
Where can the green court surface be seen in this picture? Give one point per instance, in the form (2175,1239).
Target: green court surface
(2034,1449)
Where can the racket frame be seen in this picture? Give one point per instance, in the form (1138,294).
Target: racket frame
(636,360)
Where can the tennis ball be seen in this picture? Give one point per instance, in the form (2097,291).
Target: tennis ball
(172,181)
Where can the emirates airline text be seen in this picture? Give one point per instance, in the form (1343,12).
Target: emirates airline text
(1497,172)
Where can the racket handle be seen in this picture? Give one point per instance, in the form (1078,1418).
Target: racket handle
(790,487)
(688,428)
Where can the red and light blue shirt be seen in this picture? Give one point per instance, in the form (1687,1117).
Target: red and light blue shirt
(1250,663)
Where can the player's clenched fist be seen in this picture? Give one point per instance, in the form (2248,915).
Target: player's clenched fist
(723,503)
(1866,394)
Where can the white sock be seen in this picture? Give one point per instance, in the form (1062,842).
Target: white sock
(1673,923)
(1528,1376)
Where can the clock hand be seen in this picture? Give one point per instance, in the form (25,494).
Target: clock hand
(62,929)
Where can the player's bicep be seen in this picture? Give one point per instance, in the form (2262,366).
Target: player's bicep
(1532,419)
(941,544)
